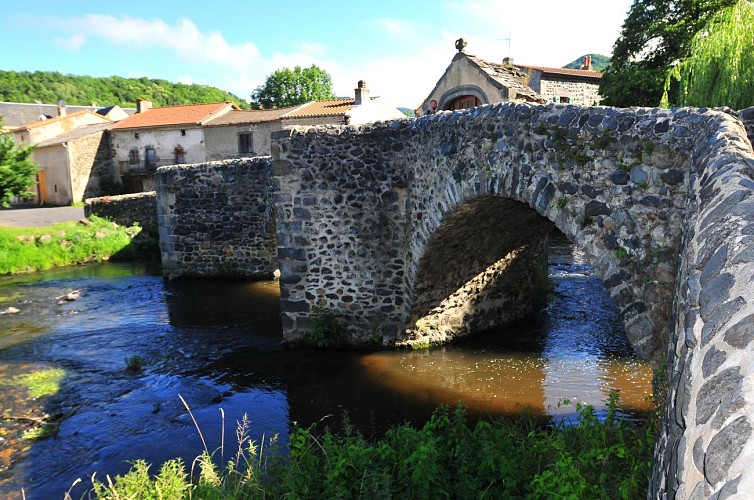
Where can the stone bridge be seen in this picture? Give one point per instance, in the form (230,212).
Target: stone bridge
(419,231)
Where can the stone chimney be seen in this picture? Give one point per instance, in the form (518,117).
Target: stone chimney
(143,105)
(587,63)
(508,61)
(362,93)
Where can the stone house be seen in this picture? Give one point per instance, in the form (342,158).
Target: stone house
(154,137)
(471,81)
(242,133)
(73,154)
(565,85)
(17,114)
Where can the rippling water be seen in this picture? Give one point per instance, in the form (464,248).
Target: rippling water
(217,344)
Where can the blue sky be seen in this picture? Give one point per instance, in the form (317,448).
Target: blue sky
(400,48)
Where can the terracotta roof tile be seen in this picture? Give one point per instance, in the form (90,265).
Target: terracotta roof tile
(564,71)
(40,123)
(334,107)
(193,114)
(239,117)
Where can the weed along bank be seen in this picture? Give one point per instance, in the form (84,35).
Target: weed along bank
(392,227)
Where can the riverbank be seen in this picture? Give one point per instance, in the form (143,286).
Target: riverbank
(446,458)
(93,239)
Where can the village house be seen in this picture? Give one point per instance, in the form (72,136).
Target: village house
(471,81)
(17,114)
(242,133)
(154,137)
(564,85)
(360,109)
(73,154)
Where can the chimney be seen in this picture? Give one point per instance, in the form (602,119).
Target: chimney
(587,63)
(143,105)
(362,93)
(508,61)
(62,110)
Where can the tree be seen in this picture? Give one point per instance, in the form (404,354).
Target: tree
(655,34)
(720,68)
(16,169)
(288,87)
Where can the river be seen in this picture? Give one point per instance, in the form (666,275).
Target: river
(217,345)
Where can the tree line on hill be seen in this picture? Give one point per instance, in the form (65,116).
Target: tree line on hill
(50,86)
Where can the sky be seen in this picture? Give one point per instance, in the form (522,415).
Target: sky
(400,48)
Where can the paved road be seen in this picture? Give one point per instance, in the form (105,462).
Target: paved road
(38,216)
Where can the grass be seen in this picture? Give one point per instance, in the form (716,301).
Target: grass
(446,458)
(66,243)
(41,382)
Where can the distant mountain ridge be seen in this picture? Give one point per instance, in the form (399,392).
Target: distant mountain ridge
(599,62)
(51,86)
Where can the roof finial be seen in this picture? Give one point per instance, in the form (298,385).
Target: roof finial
(461,45)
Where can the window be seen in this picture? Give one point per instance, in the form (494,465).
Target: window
(133,157)
(183,132)
(150,157)
(463,102)
(180,155)
(136,135)
(245,143)
(564,99)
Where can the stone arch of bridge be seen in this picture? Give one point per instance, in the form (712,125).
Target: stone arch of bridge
(484,267)
(566,165)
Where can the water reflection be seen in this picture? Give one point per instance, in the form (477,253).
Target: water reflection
(217,343)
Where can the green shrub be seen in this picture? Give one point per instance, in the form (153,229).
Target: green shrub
(328,328)
(448,457)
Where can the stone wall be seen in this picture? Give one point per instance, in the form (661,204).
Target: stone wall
(91,165)
(340,203)
(126,209)
(706,447)
(660,200)
(216,219)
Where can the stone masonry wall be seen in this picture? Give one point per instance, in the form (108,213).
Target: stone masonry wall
(661,201)
(706,448)
(216,219)
(126,209)
(340,207)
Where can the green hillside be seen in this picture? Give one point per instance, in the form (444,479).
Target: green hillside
(50,87)
(599,62)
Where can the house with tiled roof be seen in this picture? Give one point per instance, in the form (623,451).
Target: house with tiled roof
(153,137)
(565,85)
(471,81)
(73,154)
(362,108)
(16,114)
(242,133)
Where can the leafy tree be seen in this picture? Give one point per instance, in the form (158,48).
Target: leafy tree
(16,169)
(655,34)
(720,68)
(49,87)
(288,87)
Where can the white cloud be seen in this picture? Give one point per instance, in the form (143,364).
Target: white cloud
(72,43)
(552,35)
(394,27)
(183,38)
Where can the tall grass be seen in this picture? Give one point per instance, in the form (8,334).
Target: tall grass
(66,243)
(446,458)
